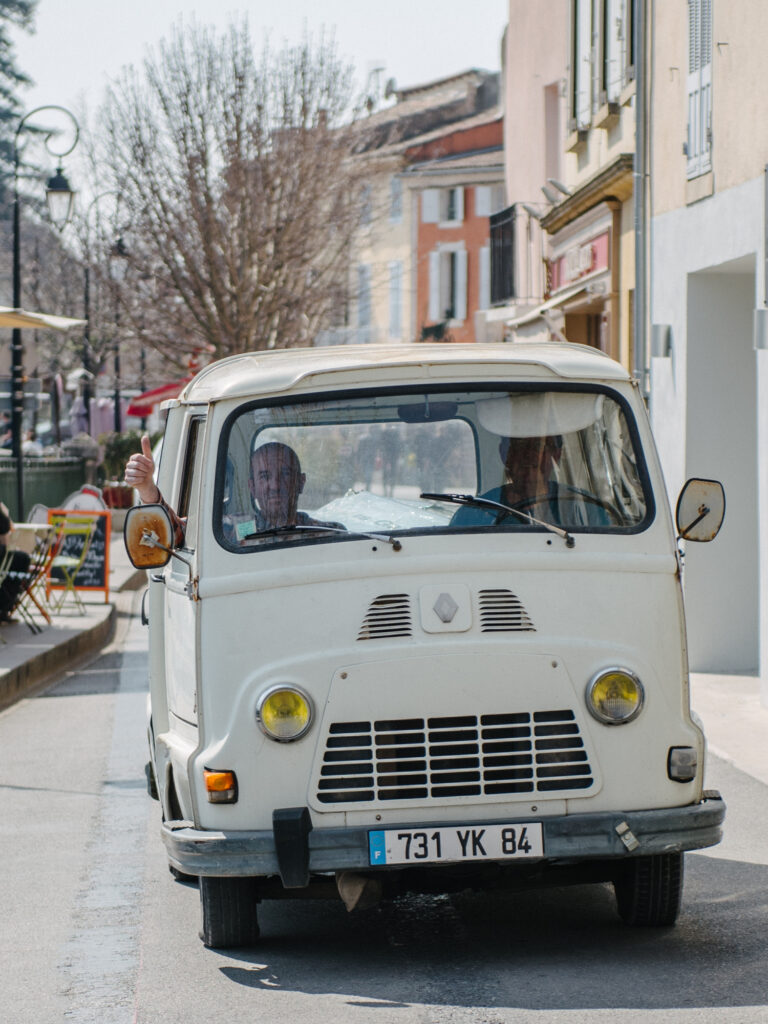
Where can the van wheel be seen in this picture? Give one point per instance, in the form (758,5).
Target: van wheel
(649,892)
(229,909)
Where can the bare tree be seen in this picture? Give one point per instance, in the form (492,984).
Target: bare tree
(241,190)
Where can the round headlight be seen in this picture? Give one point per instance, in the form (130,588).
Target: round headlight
(284,713)
(615,696)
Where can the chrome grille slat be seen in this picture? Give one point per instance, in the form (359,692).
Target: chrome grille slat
(436,758)
(388,616)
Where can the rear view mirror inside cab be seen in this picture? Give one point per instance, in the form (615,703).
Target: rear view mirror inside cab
(700,510)
(148,536)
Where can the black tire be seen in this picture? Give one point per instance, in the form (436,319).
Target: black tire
(229,912)
(650,890)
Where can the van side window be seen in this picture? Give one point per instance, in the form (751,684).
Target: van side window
(190,482)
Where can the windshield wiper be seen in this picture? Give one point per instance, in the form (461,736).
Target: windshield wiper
(274,531)
(475,501)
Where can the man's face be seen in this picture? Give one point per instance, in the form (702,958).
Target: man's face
(528,460)
(276,484)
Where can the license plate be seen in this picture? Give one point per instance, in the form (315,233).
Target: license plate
(458,843)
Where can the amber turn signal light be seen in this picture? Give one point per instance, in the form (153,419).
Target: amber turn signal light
(220,786)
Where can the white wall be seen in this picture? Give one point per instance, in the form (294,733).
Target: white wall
(706,403)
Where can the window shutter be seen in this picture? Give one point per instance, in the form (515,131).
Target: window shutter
(460,312)
(482,200)
(614,33)
(363,300)
(699,82)
(484,283)
(583,70)
(430,206)
(395,199)
(434,287)
(459,204)
(395,299)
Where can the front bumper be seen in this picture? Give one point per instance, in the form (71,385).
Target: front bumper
(293,849)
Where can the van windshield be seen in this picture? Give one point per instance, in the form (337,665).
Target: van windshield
(449,460)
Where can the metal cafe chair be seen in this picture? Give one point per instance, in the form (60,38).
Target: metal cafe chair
(75,536)
(33,598)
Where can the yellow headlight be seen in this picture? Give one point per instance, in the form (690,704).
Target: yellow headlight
(284,713)
(615,696)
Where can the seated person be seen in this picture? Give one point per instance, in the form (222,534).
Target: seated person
(530,485)
(18,568)
(275,483)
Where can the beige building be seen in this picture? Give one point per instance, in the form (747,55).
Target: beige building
(569,135)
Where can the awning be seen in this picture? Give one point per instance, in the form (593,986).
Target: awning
(143,405)
(10,317)
(557,300)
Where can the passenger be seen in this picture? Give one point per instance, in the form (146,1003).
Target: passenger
(530,485)
(275,483)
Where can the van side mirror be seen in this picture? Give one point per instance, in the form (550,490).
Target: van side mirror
(148,536)
(700,510)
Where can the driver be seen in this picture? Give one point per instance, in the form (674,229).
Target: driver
(530,485)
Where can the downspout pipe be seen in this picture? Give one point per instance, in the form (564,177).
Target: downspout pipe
(640,181)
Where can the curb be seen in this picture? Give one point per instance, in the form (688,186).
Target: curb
(19,681)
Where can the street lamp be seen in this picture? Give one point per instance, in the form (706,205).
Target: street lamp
(118,261)
(60,197)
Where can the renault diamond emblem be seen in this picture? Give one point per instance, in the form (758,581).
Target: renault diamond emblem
(445,608)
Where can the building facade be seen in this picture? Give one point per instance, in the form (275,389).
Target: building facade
(709,306)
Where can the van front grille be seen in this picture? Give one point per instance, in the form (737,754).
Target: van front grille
(460,756)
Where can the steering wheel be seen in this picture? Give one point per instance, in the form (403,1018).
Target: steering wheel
(544,502)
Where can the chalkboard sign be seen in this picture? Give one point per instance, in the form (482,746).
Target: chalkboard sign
(94,572)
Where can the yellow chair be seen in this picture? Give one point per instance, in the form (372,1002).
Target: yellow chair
(76,533)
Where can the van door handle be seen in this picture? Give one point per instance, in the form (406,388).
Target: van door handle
(157,577)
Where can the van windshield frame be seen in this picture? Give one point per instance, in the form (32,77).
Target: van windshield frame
(366,455)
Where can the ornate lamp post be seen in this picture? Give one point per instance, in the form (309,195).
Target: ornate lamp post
(60,198)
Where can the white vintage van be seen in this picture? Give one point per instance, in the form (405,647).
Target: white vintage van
(428,679)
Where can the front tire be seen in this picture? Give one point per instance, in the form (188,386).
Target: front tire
(229,912)
(650,890)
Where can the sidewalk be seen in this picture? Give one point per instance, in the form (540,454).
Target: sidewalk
(735,721)
(28,659)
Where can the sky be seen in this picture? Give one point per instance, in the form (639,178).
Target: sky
(79,45)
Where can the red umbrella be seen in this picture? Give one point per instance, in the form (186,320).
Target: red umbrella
(143,405)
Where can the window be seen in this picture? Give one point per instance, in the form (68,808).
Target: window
(442,205)
(503,255)
(448,284)
(366,205)
(360,462)
(699,144)
(395,299)
(489,199)
(190,485)
(395,199)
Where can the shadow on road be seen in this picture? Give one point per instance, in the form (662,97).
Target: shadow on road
(555,949)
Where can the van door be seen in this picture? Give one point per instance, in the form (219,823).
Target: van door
(181,607)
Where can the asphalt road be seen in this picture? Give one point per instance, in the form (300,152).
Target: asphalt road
(96,931)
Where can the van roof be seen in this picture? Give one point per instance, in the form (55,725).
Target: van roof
(301,369)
